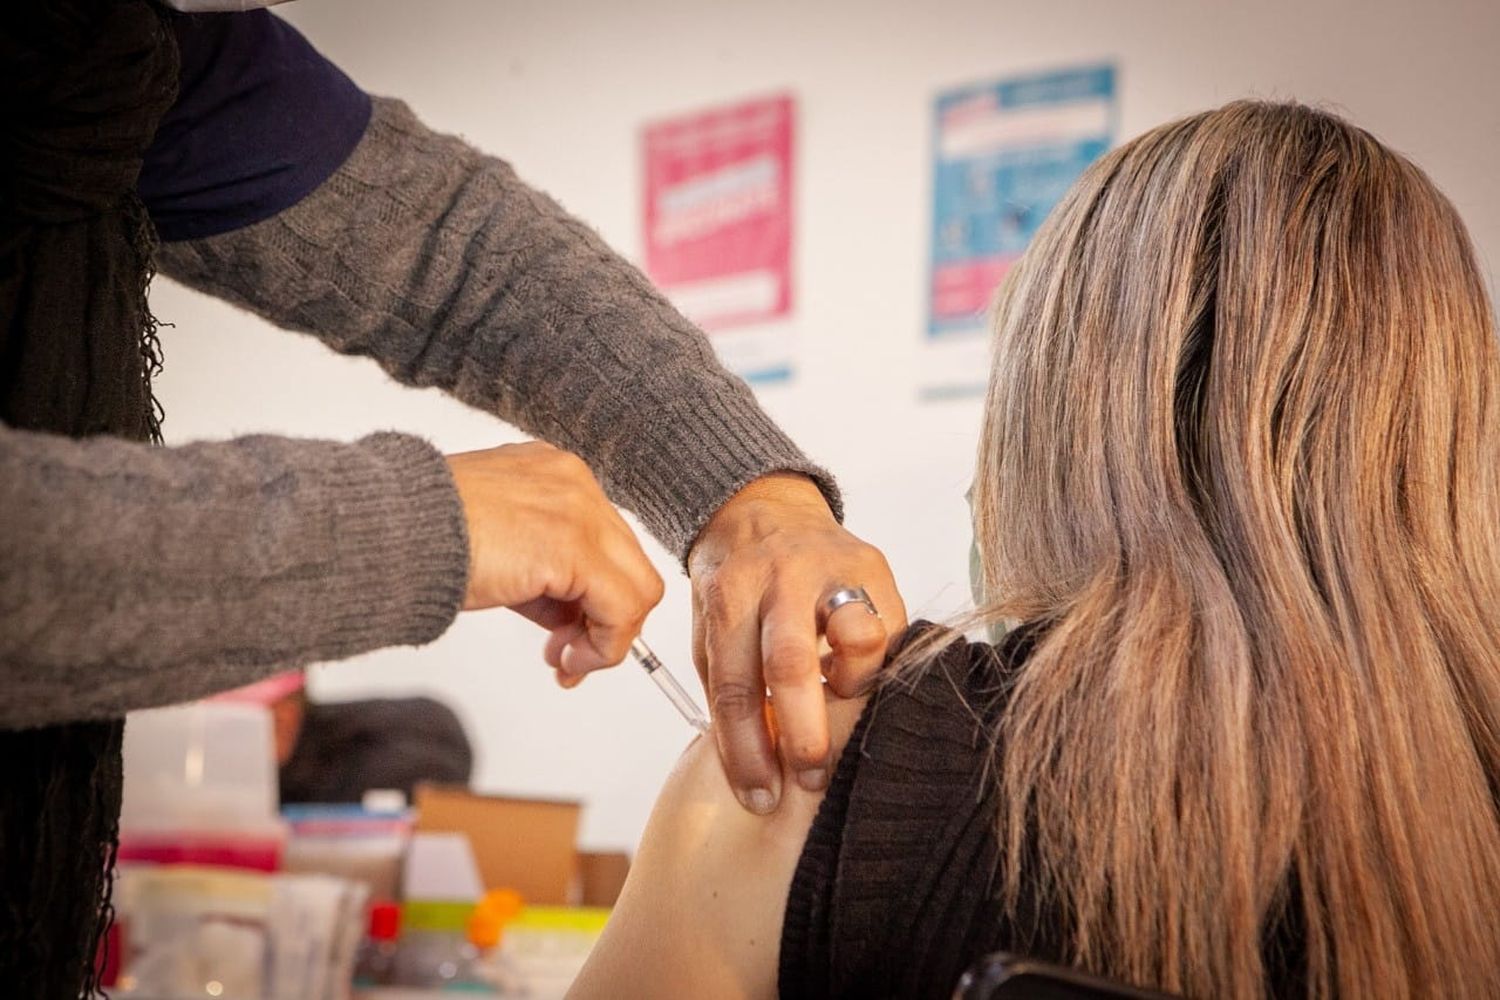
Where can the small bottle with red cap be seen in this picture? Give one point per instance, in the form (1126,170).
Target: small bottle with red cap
(374,964)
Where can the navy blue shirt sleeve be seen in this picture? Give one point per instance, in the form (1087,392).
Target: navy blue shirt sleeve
(261,120)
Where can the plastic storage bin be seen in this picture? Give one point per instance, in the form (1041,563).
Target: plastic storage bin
(200,787)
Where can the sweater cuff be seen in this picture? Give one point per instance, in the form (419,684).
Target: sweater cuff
(402,550)
(698,454)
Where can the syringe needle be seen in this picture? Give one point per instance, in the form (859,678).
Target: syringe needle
(674,691)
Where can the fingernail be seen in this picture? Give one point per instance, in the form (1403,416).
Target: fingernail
(758,800)
(814,779)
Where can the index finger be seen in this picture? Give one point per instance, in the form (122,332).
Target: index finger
(730,634)
(620,592)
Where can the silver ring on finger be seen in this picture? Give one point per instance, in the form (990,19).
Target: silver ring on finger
(849,595)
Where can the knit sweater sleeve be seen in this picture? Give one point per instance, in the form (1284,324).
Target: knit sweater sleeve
(133,576)
(439,263)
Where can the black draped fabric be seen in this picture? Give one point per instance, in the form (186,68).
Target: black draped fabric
(83,84)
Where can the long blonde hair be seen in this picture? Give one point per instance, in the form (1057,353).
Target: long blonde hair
(1240,456)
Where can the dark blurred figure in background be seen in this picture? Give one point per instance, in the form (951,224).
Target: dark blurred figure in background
(336,751)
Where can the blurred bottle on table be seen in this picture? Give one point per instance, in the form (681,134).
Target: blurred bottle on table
(375,963)
(485,966)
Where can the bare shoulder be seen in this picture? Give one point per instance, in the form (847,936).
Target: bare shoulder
(701,913)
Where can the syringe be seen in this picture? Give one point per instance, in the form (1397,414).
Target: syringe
(675,692)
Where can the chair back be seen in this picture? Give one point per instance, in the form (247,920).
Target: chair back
(1003,976)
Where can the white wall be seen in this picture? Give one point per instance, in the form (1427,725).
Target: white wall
(560,88)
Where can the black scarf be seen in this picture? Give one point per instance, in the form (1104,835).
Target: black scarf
(83,84)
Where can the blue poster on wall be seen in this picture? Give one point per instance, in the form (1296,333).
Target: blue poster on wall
(1004,153)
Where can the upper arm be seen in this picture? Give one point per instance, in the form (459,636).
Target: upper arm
(701,912)
(261,120)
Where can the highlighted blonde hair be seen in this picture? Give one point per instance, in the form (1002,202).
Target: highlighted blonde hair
(1240,456)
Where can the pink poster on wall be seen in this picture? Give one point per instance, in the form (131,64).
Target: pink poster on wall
(718,211)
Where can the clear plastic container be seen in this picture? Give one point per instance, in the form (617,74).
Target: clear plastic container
(200,787)
(451,947)
(349,841)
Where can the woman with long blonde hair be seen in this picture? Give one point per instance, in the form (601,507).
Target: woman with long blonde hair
(1238,492)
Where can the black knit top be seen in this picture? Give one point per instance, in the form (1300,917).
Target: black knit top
(896,891)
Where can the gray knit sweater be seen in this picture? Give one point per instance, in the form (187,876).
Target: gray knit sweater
(133,576)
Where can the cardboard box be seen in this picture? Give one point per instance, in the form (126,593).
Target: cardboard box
(529,845)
